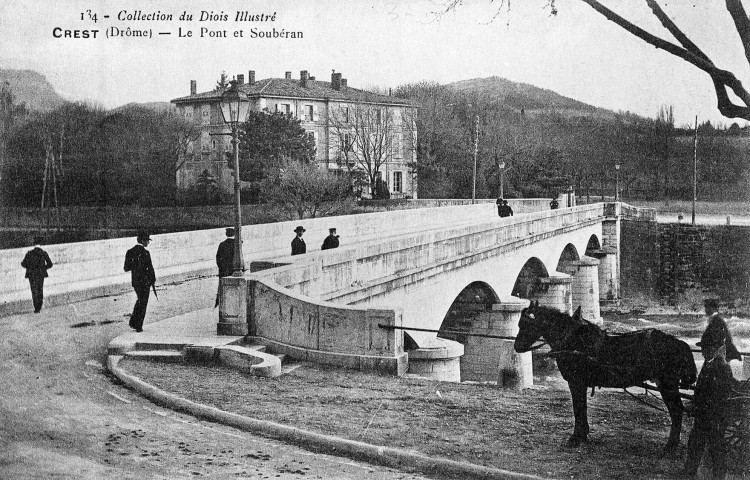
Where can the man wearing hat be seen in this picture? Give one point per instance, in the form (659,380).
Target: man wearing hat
(225,259)
(331,241)
(143,277)
(36,262)
(710,402)
(298,245)
(717,326)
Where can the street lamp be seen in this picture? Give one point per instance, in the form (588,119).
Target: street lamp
(501,166)
(617,181)
(234,110)
(476,150)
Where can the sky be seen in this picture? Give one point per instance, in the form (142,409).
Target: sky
(576,53)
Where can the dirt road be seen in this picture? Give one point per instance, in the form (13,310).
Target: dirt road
(62,416)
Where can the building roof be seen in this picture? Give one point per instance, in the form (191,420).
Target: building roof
(314,90)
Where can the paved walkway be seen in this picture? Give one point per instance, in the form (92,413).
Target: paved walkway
(199,328)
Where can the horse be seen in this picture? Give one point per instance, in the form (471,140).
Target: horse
(587,356)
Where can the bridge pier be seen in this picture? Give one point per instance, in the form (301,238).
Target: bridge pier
(610,268)
(609,280)
(585,288)
(555,292)
(489,359)
(233,307)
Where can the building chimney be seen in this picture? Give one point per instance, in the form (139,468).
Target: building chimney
(251,77)
(303,78)
(336,81)
(343,82)
(193,87)
(288,75)
(240,79)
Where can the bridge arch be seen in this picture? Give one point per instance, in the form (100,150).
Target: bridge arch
(527,282)
(474,298)
(593,245)
(569,254)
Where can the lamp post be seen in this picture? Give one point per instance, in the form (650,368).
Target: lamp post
(233,111)
(501,166)
(476,150)
(617,181)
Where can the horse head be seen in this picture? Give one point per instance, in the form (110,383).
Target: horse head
(531,327)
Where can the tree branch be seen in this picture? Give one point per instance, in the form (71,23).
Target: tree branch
(741,23)
(721,78)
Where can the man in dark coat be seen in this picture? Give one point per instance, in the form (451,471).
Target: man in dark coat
(143,277)
(36,262)
(717,322)
(505,210)
(225,259)
(298,245)
(499,203)
(554,204)
(710,402)
(331,241)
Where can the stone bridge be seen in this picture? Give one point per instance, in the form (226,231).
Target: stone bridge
(453,268)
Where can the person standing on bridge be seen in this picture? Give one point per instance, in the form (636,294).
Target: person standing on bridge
(504,210)
(298,245)
(225,259)
(143,278)
(554,205)
(36,262)
(331,241)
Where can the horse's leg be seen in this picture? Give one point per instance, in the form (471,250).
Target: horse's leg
(581,429)
(670,393)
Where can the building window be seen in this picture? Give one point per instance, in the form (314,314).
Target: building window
(346,114)
(396,146)
(206,114)
(285,108)
(377,115)
(397,182)
(309,113)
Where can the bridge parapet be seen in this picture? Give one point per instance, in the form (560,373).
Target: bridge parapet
(314,330)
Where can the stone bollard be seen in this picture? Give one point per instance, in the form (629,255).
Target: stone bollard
(233,307)
(488,359)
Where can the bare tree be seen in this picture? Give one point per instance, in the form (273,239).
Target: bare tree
(366,136)
(10,112)
(305,190)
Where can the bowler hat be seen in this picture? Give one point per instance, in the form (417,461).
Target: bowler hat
(332,230)
(711,304)
(143,236)
(299,229)
(230,232)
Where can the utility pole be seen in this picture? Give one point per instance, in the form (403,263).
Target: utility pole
(695,167)
(476,150)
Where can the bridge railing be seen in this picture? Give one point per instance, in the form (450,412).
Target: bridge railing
(352,273)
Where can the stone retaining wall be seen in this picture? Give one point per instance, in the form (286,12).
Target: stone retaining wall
(675,260)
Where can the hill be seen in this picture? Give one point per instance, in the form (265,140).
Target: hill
(156,106)
(31,88)
(527,97)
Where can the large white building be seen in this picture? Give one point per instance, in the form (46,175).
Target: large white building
(353,129)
